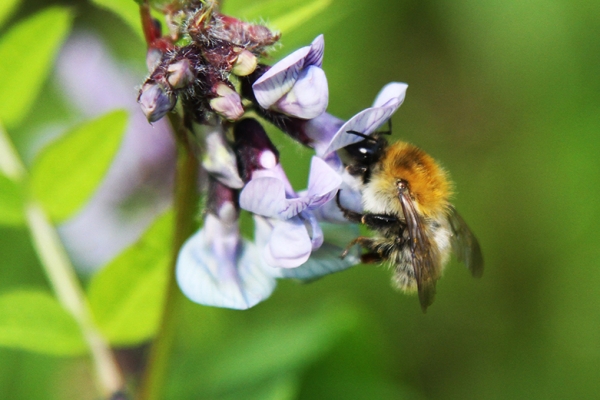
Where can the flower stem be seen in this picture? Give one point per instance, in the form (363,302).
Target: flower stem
(60,273)
(186,208)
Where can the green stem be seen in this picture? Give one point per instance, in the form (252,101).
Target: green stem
(186,208)
(61,275)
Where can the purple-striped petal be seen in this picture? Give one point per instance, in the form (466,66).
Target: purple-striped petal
(309,96)
(367,121)
(316,52)
(280,78)
(323,183)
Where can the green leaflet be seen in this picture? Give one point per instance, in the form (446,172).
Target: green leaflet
(7,7)
(11,202)
(66,172)
(128,10)
(127,295)
(34,320)
(27,52)
(287,346)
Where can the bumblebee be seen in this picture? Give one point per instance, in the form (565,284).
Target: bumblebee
(405,197)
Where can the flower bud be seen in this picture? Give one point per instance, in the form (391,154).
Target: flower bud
(245,64)
(156,101)
(228,103)
(180,74)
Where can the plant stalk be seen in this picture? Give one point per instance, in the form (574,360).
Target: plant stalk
(61,275)
(186,207)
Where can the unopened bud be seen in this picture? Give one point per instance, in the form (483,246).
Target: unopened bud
(155,101)
(227,103)
(180,74)
(245,64)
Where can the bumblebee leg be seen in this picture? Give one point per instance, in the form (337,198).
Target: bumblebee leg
(350,215)
(371,258)
(363,241)
(377,221)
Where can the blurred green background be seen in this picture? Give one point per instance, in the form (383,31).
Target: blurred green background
(505,94)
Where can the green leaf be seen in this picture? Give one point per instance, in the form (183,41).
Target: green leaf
(296,18)
(126,296)
(280,387)
(66,173)
(27,52)
(278,348)
(34,320)
(281,18)
(11,202)
(128,10)
(6,9)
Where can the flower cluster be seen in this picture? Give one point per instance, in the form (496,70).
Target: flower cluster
(209,63)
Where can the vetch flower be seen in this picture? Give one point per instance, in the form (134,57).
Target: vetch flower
(293,230)
(367,121)
(216,267)
(296,86)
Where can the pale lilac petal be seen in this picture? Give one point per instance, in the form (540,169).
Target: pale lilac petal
(264,196)
(289,244)
(315,232)
(326,260)
(323,183)
(350,198)
(219,160)
(316,52)
(394,91)
(367,121)
(215,268)
(308,98)
(278,80)
(321,130)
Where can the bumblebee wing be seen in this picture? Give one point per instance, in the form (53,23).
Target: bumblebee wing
(465,244)
(427,272)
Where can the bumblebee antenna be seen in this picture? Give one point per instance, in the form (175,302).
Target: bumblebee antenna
(389,131)
(362,135)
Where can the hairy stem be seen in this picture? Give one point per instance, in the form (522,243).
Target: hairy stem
(61,275)
(186,208)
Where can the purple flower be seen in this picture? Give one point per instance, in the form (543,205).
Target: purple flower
(366,122)
(296,86)
(216,267)
(288,232)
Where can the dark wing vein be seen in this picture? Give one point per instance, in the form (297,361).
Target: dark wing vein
(424,267)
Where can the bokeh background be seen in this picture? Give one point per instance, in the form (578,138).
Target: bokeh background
(506,95)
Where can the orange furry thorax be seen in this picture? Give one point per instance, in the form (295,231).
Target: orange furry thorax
(428,182)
